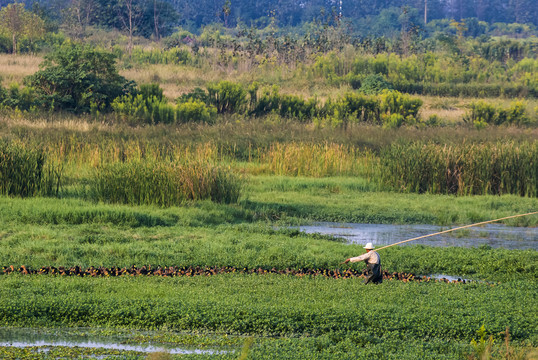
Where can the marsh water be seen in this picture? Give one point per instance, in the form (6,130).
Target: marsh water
(494,235)
(24,337)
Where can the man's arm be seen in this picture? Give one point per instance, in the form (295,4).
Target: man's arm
(358,258)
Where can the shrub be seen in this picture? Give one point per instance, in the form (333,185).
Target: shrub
(151,90)
(18,98)
(195,111)
(516,113)
(355,81)
(483,113)
(394,102)
(137,109)
(149,106)
(391,121)
(197,94)
(288,106)
(356,107)
(227,97)
(3,94)
(179,38)
(75,76)
(374,84)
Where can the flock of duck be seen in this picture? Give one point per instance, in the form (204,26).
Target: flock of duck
(189,271)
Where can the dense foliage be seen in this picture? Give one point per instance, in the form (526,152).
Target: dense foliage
(77,78)
(159,17)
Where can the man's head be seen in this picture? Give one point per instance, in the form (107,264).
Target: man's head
(369,247)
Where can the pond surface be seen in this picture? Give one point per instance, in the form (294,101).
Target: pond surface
(494,235)
(23,337)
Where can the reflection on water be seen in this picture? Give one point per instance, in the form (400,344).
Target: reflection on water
(494,235)
(23,337)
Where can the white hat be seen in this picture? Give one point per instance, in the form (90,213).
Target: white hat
(369,246)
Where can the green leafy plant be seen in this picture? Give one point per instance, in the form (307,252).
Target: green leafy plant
(75,76)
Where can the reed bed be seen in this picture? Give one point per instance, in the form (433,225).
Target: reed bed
(318,160)
(76,151)
(467,169)
(164,184)
(25,171)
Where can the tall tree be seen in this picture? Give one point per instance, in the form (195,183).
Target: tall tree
(78,15)
(130,14)
(16,21)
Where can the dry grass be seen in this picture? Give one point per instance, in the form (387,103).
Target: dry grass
(175,80)
(16,67)
(65,122)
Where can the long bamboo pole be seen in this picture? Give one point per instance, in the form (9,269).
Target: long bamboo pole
(457,228)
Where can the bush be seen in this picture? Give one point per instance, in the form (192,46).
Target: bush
(227,97)
(197,94)
(488,114)
(195,111)
(288,106)
(179,38)
(396,103)
(355,81)
(137,109)
(74,76)
(516,113)
(374,84)
(356,107)
(3,94)
(18,98)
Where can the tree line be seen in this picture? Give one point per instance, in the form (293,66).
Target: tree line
(160,17)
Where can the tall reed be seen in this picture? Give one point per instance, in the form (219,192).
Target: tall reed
(493,168)
(25,172)
(163,183)
(329,159)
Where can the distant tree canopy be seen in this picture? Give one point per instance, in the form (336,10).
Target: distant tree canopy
(159,18)
(16,22)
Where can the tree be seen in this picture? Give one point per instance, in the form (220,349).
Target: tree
(76,77)
(17,22)
(130,14)
(226,11)
(78,15)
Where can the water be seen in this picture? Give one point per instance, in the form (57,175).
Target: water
(494,235)
(23,337)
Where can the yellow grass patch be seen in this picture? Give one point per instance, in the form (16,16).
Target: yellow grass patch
(16,67)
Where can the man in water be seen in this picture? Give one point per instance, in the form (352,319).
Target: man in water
(373,263)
